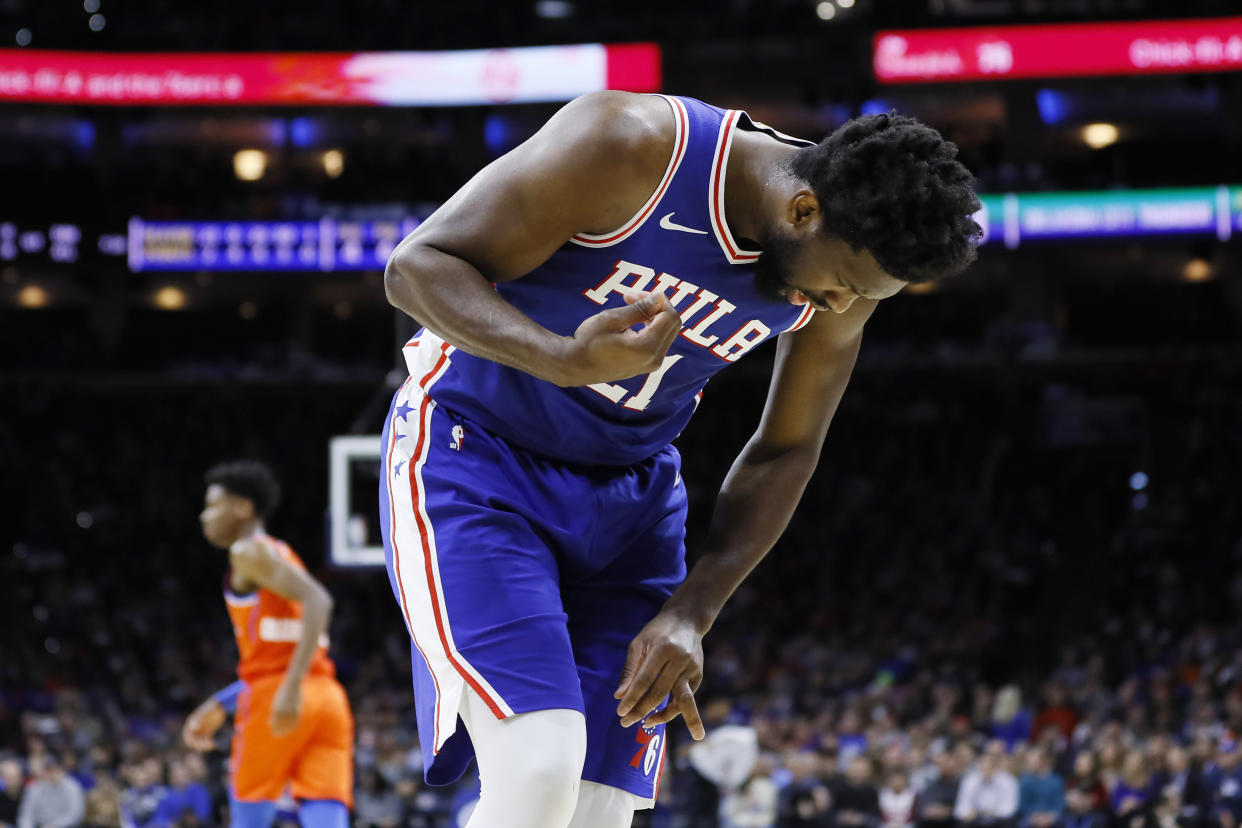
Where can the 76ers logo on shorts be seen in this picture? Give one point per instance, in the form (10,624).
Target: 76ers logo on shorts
(649,751)
(459,434)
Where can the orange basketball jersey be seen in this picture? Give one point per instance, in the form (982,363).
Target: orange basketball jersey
(268,626)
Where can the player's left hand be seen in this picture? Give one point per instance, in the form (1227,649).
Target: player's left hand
(665,658)
(286,707)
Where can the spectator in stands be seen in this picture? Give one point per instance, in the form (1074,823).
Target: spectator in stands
(989,794)
(1081,811)
(934,806)
(1056,714)
(855,798)
(1011,724)
(1108,760)
(1185,780)
(1086,780)
(53,800)
(922,767)
(806,801)
(897,800)
(376,805)
(1225,785)
(1041,792)
(754,803)
(1133,791)
(851,738)
(184,796)
(103,803)
(144,790)
(11,783)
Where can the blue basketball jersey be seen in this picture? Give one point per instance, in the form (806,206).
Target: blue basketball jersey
(678,243)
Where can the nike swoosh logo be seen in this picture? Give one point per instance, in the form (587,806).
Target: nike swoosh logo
(667,224)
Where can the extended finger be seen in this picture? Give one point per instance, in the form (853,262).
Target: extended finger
(645,677)
(690,710)
(680,704)
(652,699)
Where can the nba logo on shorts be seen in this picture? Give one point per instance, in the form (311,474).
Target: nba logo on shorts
(459,434)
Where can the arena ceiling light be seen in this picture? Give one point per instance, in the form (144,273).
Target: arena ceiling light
(1098,136)
(33,296)
(1197,270)
(333,163)
(554,9)
(170,298)
(249,164)
(826,10)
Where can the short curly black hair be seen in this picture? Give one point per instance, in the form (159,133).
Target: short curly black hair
(249,479)
(892,185)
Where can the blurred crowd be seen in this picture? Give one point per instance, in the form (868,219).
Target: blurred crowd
(981,615)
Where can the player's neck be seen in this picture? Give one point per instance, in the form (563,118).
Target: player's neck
(250,531)
(753,183)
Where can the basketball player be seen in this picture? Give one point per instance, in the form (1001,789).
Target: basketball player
(576,296)
(293,726)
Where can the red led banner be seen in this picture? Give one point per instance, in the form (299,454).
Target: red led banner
(1058,50)
(453,78)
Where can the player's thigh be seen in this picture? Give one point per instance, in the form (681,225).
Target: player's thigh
(474,529)
(324,767)
(260,761)
(606,611)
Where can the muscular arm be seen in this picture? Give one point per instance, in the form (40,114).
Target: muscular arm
(767,479)
(257,563)
(589,169)
(755,503)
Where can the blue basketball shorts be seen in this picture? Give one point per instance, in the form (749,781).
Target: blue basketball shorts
(521,578)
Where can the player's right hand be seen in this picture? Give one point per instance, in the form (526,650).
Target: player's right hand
(607,347)
(200,726)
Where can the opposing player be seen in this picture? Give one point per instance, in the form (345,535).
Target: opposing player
(576,295)
(293,727)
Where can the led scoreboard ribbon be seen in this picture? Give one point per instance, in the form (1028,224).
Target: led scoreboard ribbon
(326,245)
(1058,50)
(1015,218)
(331,244)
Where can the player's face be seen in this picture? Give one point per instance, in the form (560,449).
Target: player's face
(810,269)
(224,517)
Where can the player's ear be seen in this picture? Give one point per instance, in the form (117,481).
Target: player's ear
(803,208)
(244,508)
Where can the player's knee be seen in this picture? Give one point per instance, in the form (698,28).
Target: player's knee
(552,767)
(553,776)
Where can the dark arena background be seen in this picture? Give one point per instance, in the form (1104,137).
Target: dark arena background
(1020,551)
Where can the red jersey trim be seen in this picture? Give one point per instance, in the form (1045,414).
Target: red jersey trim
(682,122)
(802,320)
(716,194)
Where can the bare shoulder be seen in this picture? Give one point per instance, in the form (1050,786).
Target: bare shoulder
(587,170)
(625,136)
(636,124)
(252,556)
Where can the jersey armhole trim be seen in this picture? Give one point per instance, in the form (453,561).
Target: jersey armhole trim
(234,599)
(682,124)
(802,320)
(716,194)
